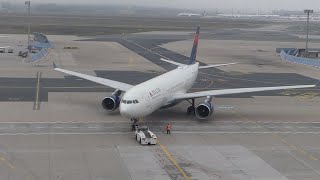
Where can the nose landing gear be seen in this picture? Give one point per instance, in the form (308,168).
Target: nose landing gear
(134,124)
(191,109)
(134,121)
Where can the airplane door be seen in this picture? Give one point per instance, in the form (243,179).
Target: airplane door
(148,101)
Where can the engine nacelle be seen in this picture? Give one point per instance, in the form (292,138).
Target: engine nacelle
(111,103)
(204,110)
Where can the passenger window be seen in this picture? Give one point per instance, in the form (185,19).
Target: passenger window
(134,102)
(137,101)
(124,101)
(129,102)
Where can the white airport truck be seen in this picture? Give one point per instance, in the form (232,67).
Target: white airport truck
(144,135)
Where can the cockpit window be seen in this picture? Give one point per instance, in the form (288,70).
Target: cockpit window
(129,101)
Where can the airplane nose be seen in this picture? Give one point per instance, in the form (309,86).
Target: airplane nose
(124,111)
(129,111)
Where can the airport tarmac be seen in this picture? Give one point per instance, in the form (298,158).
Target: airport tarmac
(53,126)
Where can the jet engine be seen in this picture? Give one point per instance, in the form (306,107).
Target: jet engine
(205,109)
(111,103)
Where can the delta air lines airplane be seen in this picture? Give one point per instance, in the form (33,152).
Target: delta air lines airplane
(166,90)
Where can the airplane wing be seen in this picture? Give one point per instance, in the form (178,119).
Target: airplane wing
(5,47)
(107,82)
(235,91)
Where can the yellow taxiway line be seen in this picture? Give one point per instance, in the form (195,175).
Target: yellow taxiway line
(7,162)
(38,90)
(174,162)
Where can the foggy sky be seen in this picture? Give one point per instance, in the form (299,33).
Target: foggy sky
(200,4)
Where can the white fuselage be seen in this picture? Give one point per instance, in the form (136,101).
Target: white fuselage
(158,92)
(190,15)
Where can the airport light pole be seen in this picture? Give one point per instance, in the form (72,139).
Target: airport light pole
(28,3)
(308,12)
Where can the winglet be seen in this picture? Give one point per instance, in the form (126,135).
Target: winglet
(54,65)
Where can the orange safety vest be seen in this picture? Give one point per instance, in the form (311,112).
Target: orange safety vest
(168,127)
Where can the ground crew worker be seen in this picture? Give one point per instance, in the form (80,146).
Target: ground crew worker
(168,128)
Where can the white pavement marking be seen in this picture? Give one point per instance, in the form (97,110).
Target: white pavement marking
(96,127)
(176,132)
(119,121)
(241,132)
(225,162)
(59,127)
(39,127)
(63,122)
(146,49)
(65,133)
(248,162)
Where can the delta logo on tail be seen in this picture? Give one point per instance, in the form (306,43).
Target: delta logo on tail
(193,55)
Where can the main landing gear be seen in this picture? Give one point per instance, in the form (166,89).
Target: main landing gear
(191,109)
(135,121)
(134,124)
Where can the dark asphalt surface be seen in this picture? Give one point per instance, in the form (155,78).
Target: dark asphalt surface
(24,89)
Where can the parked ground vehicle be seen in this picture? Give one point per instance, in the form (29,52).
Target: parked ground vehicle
(24,54)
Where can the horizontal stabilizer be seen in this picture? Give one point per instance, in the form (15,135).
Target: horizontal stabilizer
(216,65)
(172,62)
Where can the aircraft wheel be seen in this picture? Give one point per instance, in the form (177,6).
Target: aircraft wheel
(190,110)
(135,121)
